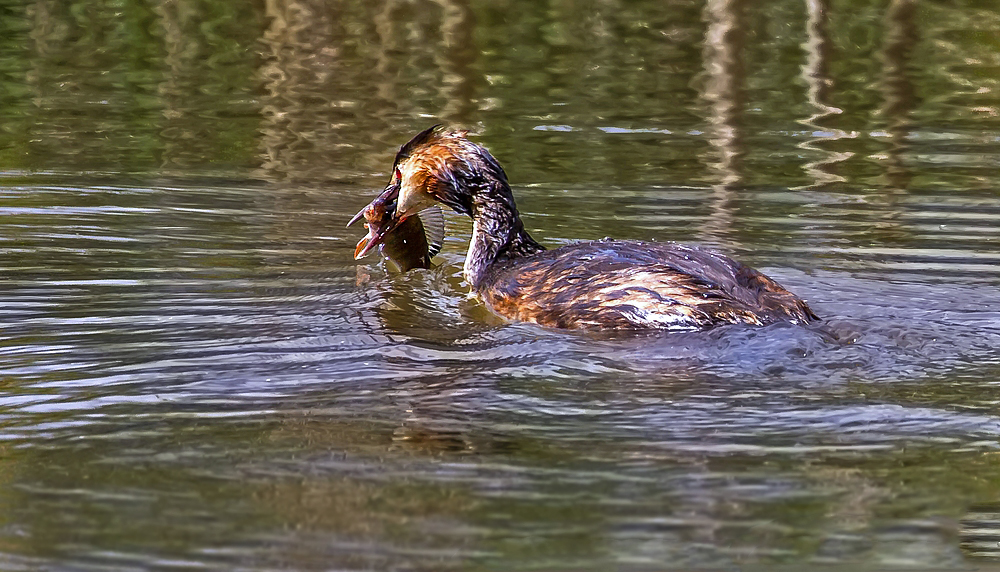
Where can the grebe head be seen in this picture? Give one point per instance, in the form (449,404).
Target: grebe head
(436,165)
(441,165)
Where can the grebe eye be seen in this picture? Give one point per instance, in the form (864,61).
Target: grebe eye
(396,175)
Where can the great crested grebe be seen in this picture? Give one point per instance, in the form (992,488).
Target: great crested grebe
(604,284)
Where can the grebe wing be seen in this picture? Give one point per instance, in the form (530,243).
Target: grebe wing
(433,221)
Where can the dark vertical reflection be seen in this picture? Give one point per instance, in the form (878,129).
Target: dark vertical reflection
(50,31)
(389,95)
(176,17)
(725,92)
(897,90)
(456,59)
(898,101)
(134,86)
(432,40)
(344,84)
(816,73)
(299,131)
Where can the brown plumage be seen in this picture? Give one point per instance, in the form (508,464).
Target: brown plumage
(591,285)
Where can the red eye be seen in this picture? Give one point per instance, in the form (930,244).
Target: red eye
(396,175)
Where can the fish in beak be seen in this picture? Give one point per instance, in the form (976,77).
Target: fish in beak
(410,241)
(378,220)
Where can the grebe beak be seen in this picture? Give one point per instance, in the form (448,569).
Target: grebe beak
(411,201)
(357,217)
(364,247)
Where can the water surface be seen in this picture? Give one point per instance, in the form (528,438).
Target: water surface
(197,374)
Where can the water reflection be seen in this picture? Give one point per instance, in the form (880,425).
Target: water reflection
(305,108)
(320,96)
(899,96)
(815,72)
(180,349)
(980,533)
(343,83)
(898,91)
(195,372)
(725,92)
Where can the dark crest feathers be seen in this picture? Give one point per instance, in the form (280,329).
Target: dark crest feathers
(418,139)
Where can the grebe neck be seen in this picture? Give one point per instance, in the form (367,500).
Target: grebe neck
(497,232)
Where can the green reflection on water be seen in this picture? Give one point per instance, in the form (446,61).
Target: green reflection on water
(593,108)
(732,93)
(127,87)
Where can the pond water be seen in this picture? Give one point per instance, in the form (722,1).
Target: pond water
(195,373)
